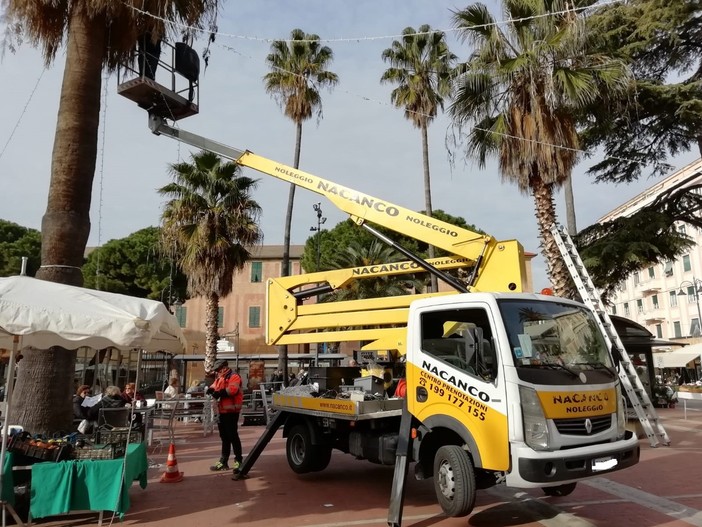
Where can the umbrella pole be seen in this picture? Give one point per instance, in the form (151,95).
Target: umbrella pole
(9,388)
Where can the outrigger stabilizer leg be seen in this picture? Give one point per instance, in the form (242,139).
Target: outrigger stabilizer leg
(272,427)
(397,494)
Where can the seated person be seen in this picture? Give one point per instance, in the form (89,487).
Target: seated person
(80,412)
(111,398)
(172,391)
(130,394)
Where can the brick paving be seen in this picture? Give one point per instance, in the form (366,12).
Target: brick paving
(661,490)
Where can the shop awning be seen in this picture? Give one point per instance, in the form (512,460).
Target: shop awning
(678,358)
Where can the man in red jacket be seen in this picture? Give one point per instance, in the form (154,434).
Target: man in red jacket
(227,389)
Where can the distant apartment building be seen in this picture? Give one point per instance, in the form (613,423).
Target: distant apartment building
(241,317)
(665,298)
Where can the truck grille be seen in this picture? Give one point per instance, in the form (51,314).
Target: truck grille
(578,427)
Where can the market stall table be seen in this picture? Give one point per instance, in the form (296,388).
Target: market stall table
(684,396)
(87,485)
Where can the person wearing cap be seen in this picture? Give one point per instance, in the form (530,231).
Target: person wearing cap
(227,390)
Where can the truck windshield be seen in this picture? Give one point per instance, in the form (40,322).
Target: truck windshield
(544,334)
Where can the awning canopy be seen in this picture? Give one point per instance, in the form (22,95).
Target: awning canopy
(45,314)
(678,358)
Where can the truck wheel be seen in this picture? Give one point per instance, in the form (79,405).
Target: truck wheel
(322,457)
(299,450)
(454,481)
(560,490)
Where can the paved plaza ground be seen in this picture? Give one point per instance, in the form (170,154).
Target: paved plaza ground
(662,490)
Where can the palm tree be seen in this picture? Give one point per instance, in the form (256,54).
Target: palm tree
(212,222)
(298,71)
(360,254)
(98,34)
(520,89)
(421,65)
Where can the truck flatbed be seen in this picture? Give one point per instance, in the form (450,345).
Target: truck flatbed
(337,408)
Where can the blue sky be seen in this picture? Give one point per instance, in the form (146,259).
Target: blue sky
(362,141)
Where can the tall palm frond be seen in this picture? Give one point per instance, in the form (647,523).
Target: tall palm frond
(211,223)
(421,65)
(518,93)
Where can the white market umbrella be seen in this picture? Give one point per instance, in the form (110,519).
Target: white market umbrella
(43,314)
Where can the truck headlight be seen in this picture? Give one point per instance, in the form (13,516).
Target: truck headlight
(535,427)
(621,412)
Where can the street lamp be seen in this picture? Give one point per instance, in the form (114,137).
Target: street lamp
(320,221)
(234,335)
(696,286)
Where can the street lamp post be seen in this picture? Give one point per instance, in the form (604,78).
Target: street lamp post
(320,221)
(235,335)
(696,285)
(318,229)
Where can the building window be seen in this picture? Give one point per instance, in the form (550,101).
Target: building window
(181,314)
(677,332)
(695,327)
(651,272)
(626,309)
(254,316)
(659,331)
(256,271)
(668,269)
(637,278)
(654,299)
(614,310)
(639,306)
(220,317)
(686,263)
(691,295)
(673,298)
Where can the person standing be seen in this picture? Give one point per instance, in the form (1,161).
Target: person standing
(226,389)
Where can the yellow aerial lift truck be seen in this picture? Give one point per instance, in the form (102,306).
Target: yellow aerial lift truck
(503,387)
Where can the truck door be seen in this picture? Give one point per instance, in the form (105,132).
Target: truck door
(454,381)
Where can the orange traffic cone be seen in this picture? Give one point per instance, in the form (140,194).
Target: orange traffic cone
(172,475)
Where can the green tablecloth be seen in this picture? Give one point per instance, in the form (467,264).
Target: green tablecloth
(7,493)
(95,485)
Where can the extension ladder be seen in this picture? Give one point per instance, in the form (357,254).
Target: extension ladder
(638,397)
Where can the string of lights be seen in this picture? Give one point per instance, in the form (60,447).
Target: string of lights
(216,33)
(24,110)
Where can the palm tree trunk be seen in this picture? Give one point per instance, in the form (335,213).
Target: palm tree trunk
(283,350)
(211,333)
(545,218)
(66,224)
(42,397)
(570,205)
(427,195)
(45,377)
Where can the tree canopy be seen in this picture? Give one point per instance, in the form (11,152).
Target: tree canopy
(15,242)
(135,266)
(661,115)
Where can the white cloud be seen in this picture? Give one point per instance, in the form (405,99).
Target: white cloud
(362,142)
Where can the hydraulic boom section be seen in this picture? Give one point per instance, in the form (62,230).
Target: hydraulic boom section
(506,269)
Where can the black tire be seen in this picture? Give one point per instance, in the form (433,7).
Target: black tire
(454,481)
(299,450)
(560,490)
(322,457)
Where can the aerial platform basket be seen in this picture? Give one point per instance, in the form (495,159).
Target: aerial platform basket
(164,84)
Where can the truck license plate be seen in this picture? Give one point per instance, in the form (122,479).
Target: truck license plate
(603,463)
